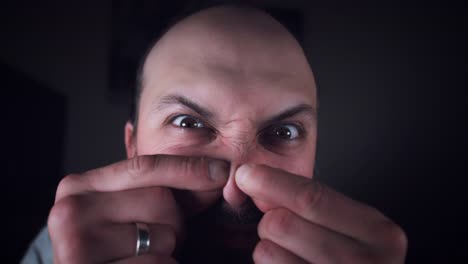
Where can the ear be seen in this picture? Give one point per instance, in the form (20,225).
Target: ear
(130,144)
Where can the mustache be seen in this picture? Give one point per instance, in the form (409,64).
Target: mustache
(222,213)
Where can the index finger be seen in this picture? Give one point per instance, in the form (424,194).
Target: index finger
(180,172)
(273,188)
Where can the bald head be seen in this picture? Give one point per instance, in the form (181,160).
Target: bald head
(233,36)
(243,40)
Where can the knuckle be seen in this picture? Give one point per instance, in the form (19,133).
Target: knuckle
(393,239)
(277,222)
(194,169)
(190,164)
(397,239)
(64,226)
(66,183)
(67,180)
(65,213)
(264,251)
(309,197)
(194,166)
(140,165)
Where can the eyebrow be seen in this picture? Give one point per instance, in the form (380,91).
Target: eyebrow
(293,111)
(177,99)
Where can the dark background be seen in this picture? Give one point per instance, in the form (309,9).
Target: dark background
(392,127)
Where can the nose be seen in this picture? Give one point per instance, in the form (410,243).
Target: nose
(231,192)
(239,154)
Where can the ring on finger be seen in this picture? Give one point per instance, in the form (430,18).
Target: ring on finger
(143,239)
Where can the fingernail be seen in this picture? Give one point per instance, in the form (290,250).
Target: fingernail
(242,173)
(218,169)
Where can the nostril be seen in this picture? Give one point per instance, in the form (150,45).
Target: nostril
(231,192)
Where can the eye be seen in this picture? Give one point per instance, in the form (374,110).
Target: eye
(186,121)
(281,135)
(286,132)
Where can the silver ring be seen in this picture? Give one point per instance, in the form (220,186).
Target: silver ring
(143,239)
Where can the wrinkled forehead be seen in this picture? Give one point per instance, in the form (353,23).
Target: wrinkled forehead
(241,56)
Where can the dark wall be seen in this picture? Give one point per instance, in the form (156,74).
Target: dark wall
(392,122)
(33,130)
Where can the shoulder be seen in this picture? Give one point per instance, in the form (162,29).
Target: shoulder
(40,249)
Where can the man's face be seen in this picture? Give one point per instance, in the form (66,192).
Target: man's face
(241,94)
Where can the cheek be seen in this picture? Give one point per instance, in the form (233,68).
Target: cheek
(299,161)
(171,142)
(150,142)
(301,164)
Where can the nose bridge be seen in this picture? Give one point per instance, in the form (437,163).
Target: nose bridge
(242,147)
(241,141)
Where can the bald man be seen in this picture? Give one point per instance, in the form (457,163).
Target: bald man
(220,163)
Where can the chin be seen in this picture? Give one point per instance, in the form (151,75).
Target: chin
(222,235)
(236,237)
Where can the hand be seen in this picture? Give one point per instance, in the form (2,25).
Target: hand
(306,222)
(92,220)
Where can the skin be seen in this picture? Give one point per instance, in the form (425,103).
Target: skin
(242,68)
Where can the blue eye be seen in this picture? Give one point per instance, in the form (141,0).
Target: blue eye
(286,132)
(186,121)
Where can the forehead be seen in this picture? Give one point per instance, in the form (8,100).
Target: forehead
(220,62)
